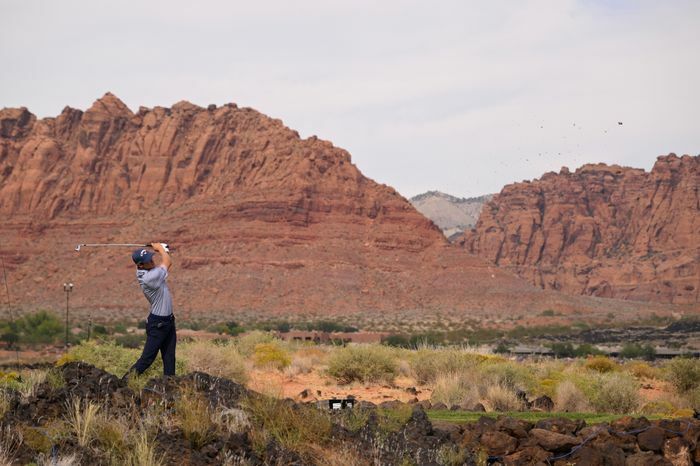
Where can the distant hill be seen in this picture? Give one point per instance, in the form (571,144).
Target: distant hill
(452,214)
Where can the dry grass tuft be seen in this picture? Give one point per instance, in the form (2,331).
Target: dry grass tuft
(502,399)
(642,370)
(10,441)
(429,363)
(194,416)
(616,393)
(455,389)
(569,398)
(82,419)
(143,451)
(219,360)
(300,428)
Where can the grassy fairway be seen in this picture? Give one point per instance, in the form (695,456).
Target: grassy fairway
(461,417)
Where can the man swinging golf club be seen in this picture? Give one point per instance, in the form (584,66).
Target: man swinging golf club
(160,324)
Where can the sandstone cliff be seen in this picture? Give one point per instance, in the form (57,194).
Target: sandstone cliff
(603,230)
(263,221)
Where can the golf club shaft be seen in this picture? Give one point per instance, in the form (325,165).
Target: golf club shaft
(117,245)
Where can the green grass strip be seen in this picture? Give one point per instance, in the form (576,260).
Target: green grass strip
(462,417)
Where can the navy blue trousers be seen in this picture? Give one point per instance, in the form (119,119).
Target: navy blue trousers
(160,336)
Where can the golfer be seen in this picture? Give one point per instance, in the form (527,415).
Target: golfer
(160,324)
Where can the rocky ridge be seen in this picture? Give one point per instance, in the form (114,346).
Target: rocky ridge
(602,230)
(263,221)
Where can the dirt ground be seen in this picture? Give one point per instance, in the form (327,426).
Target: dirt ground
(320,387)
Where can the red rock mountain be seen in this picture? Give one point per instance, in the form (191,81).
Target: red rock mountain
(262,220)
(603,230)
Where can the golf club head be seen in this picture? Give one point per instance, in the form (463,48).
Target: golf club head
(77,248)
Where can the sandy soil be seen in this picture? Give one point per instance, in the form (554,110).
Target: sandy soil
(321,387)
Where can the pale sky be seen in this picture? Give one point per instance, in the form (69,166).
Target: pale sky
(459,96)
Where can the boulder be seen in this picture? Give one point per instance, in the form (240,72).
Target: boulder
(514,427)
(498,443)
(561,425)
(532,455)
(553,441)
(651,439)
(646,458)
(677,451)
(542,403)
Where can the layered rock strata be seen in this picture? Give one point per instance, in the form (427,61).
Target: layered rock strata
(602,230)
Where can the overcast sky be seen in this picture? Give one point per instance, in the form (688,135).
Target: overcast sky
(459,96)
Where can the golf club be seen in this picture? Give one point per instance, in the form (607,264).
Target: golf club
(118,245)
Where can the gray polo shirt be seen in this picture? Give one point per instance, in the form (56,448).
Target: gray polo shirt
(156,290)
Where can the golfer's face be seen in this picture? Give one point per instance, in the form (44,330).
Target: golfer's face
(148,265)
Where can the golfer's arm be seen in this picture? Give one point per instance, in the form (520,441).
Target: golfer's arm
(164,256)
(165,260)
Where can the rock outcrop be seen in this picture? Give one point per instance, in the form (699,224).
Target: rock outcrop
(603,230)
(263,221)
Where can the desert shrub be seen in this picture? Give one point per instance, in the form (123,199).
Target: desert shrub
(563,350)
(513,376)
(111,434)
(246,343)
(502,399)
(354,419)
(227,328)
(392,420)
(636,350)
(502,348)
(27,381)
(55,379)
(397,341)
(297,427)
(120,328)
(219,360)
(271,355)
(38,327)
(113,358)
(658,408)
(429,363)
(569,398)
(616,393)
(299,365)
(586,349)
(194,417)
(363,363)
(131,340)
(455,389)
(642,370)
(683,373)
(601,364)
